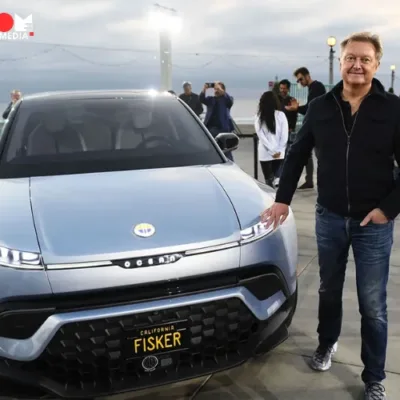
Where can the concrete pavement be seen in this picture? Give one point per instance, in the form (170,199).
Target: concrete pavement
(283,374)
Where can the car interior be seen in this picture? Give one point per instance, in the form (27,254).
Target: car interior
(92,128)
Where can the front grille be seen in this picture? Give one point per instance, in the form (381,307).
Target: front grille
(20,318)
(97,357)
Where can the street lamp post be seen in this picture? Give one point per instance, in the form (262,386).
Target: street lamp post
(393,68)
(167,22)
(331,43)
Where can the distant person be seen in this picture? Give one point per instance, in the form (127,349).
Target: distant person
(315,89)
(272,129)
(218,117)
(355,129)
(285,100)
(191,99)
(15,96)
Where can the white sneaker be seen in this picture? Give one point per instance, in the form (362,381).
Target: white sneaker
(322,358)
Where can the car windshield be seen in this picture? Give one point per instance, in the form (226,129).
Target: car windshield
(92,135)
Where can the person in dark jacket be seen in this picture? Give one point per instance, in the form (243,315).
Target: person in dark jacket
(315,89)
(285,100)
(15,96)
(356,129)
(218,117)
(191,99)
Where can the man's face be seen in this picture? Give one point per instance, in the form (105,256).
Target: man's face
(218,90)
(283,90)
(358,63)
(15,97)
(187,89)
(302,79)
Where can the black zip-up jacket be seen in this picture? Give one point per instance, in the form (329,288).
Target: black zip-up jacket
(315,90)
(355,169)
(7,110)
(193,101)
(290,115)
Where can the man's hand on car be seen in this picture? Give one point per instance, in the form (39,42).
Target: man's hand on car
(276,215)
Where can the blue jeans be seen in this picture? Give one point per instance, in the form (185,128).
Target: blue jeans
(372,245)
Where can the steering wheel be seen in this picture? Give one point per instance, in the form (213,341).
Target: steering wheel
(151,139)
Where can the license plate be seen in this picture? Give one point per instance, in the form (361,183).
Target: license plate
(159,339)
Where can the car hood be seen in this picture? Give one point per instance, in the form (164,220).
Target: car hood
(248,196)
(91,217)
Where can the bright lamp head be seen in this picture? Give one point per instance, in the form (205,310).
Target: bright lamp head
(164,21)
(255,232)
(19,259)
(331,41)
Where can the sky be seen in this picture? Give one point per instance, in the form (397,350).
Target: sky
(101,44)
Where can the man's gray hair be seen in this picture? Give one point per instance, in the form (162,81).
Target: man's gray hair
(365,37)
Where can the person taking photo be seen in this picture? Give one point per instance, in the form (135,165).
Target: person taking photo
(218,116)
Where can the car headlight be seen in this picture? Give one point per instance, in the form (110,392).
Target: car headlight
(19,259)
(255,232)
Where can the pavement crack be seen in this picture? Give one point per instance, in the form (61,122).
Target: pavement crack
(307,265)
(200,387)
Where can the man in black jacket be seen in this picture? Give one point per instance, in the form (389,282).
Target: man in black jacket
(315,89)
(286,100)
(356,130)
(191,99)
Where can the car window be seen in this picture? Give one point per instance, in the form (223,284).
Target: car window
(85,135)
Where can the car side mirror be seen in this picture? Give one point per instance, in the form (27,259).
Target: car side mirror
(227,141)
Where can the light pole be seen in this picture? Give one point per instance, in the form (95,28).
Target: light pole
(393,68)
(167,22)
(331,43)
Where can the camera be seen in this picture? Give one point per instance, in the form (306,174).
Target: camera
(210,85)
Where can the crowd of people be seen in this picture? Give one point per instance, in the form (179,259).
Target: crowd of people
(275,126)
(275,122)
(218,106)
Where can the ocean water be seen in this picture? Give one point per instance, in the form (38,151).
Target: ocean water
(244,110)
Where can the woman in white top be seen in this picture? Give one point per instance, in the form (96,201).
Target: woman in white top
(272,130)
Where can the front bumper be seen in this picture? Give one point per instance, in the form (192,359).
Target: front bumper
(86,353)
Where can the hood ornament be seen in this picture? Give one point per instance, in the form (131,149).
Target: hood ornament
(144,230)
